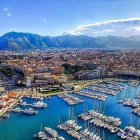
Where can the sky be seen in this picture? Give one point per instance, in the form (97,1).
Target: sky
(57,17)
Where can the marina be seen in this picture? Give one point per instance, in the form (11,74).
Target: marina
(99,97)
(134,83)
(107,87)
(70,70)
(48,133)
(100,120)
(70,99)
(129,133)
(133,103)
(111,119)
(71,127)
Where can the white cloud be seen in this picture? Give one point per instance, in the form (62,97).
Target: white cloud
(137,28)
(108,30)
(5,9)
(121,27)
(8,14)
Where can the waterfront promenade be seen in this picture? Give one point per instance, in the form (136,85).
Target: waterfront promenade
(21,93)
(77,87)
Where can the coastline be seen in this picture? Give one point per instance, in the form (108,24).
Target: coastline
(77,88)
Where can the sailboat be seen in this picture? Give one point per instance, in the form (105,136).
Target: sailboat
(59,122)
(131,120)
(40,134)
(103,135)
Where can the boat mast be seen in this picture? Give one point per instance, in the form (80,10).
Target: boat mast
(69,114)
(59,120)
(41,128)
(131,120)
(103,134)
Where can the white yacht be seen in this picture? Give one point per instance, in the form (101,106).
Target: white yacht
(51,132)
(39,104)
(30,111)
(17,110)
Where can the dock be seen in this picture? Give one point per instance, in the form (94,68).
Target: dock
(70,99)
(101,120)
(72,128)
(10,107)
(92,95)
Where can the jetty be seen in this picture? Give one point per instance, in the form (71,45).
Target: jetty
(134,104)
(12,105)
(99,97)
(98,119)
(70,99)
(129,133)
(72,128)
(48,134)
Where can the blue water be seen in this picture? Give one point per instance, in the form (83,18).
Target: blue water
(23,127)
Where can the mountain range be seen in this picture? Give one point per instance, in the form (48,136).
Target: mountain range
(27,41)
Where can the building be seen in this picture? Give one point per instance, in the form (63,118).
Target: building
(126,72)
(88,75)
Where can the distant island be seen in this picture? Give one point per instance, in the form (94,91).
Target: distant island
(16,41)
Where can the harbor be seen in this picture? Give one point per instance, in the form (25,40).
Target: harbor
(111,120)
(71,127)
(100,120)
(70,99)
(48,133)
(90,95)
(134,104)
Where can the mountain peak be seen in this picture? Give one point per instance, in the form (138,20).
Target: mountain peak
(28,41)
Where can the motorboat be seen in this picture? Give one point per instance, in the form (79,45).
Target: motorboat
(30,111)
(17,110)
(39,104)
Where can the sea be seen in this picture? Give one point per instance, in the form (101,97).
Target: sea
(23,127)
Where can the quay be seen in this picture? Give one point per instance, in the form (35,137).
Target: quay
(14,100)
(10,107)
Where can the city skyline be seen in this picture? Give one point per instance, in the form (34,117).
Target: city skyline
(93,18)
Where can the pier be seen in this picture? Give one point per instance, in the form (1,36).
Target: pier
(103,90)
(129,133)
(72,128)
(8,108)
(92,95)
(134,104)
(70,99)
(100,120)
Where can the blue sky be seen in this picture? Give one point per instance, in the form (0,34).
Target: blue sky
(54,17)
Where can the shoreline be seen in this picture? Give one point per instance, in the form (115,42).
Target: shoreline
(76,88)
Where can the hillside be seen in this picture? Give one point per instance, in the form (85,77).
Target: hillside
(27,41)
